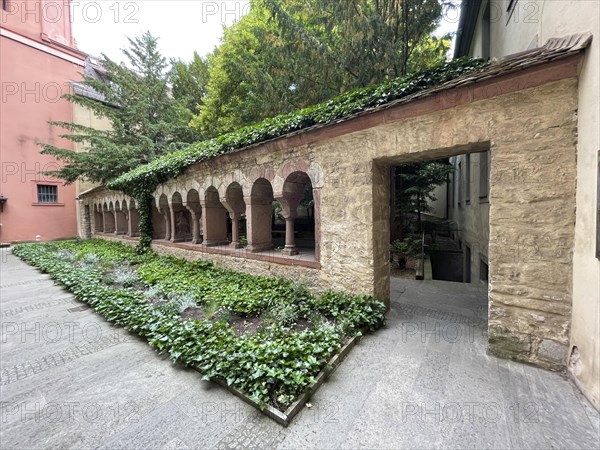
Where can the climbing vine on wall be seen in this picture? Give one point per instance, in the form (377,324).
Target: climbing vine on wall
(145,200)
(142,181)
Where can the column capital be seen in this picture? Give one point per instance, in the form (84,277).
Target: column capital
(289,203)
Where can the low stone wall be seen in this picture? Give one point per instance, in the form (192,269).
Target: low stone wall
(309,276)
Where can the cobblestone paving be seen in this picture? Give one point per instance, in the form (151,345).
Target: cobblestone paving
(68,379)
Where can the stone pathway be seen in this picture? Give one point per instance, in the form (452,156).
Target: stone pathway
(68,379)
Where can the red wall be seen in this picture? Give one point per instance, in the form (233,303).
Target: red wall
(49,20)
(32,82)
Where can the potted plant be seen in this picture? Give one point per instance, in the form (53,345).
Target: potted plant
(405,252)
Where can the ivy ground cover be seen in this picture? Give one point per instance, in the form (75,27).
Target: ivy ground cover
(268,338)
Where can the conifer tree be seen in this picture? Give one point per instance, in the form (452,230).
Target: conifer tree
(146,120)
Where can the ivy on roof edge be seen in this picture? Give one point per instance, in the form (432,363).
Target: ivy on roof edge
(143,180)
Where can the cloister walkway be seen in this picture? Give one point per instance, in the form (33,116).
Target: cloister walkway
(69,379)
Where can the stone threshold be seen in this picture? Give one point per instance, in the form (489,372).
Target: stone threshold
(267,256)
(284,418)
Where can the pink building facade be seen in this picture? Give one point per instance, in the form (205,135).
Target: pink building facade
(38,59)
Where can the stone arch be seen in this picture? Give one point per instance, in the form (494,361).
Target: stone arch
(259,215)
(98,219)
(121,226)
(194,206)
(285,171)
(181,219)
(297,196)
(236,207)
(256,172)
(161,220)
(214,218)
(133,217)
(109,217)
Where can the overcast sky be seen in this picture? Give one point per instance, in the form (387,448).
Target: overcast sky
(182,26)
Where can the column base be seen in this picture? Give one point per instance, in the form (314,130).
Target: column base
(257,248)
(210,243)
(290,251)
(182,239)
(236,245)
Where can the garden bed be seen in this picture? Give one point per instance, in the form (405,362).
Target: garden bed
(268,340)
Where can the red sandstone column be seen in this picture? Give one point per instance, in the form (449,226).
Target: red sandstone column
(214,223)
(289,206)
(103,220)
(235,230)
(173,223)
(109,222)
(259,213)
(165,214)
(195,225)
(235,207)
(129,225)
(134,222)
(120,222)
(290,241)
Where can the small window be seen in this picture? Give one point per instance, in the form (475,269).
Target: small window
(484,176)
(5,5)
(468,179)
(47,193)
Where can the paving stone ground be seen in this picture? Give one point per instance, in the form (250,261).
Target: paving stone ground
(69,379)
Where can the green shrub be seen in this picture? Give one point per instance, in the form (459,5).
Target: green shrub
(285,314)
(273,366)
(409,246)
(124,276)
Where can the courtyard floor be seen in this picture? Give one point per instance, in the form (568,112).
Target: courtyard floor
(69,379)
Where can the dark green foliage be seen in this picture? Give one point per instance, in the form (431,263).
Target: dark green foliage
(418,181)
(354,313)
(286,55)
(189,81)
(273,366)
(409,246)
(144,201)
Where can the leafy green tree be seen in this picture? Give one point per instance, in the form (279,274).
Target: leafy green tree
(146,120)
(255,73)
(369,40)
(189,81)
(417,181)
(287,55)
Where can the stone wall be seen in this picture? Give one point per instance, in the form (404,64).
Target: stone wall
(308,276)
(471,217)
(531,134)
